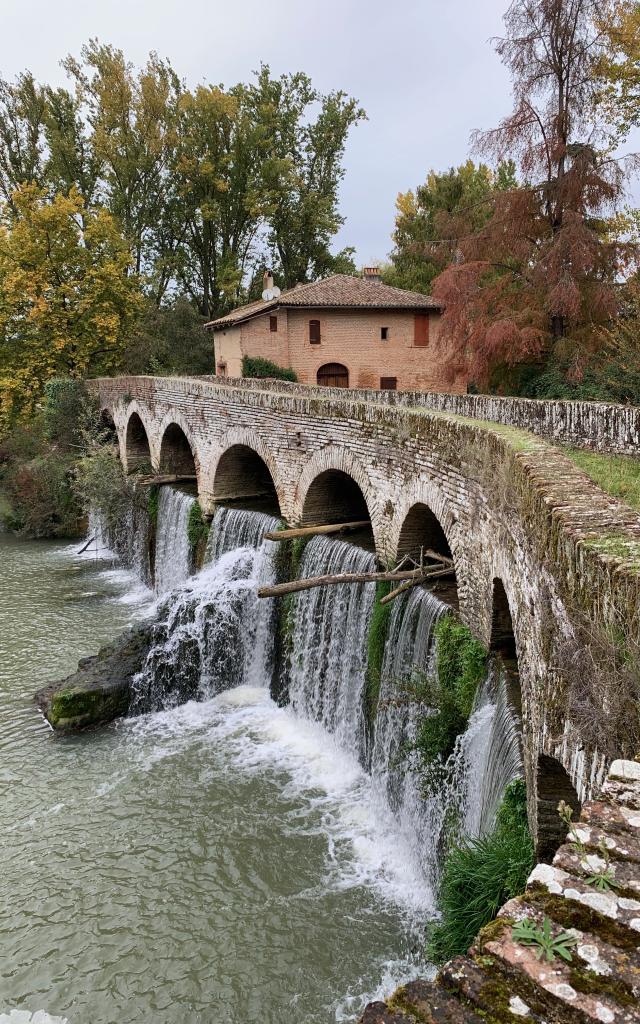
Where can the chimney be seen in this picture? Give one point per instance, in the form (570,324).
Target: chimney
(371,274)
(267,280)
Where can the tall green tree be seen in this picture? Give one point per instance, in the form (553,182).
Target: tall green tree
(22,144)
(304,136)
(430,220)
(131,116)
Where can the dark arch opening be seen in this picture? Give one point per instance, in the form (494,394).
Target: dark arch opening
(243,477)
(335,497)
(176,456)
(553,785)
(137,445)
(503,640)
(421,530)
(333,375)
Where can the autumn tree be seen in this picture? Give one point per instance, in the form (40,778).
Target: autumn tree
(430,220)
(67,303)
(618,69)
(545,263)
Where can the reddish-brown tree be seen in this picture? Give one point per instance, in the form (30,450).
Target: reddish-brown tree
(546,261)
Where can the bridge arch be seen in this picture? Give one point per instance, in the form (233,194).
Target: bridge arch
(177,451)
(502,639)
(334,488)
(137,447)
(243,474)
(244,455)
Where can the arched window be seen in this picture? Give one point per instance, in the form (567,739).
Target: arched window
(333,375)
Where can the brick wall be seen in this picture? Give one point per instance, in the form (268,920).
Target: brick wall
(351,338)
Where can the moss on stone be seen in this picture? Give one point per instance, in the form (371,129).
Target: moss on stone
(590,983)
(571,914)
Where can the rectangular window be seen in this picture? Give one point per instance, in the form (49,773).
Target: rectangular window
(384,333)
(273,324)
(421,330)
(314,332)
(388,383)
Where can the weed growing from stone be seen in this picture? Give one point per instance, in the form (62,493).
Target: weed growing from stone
(548,945)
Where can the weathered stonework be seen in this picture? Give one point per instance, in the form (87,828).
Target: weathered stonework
(512,508)
(503,980)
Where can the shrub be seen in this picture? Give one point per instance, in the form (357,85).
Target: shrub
(66,407)
(481,874)
(461,664)
(100,484)
(258,367)
(41,497)
(197,526)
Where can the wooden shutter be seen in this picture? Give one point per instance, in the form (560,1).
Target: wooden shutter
(388,383)
(273,323)
(421,330)
(314,332)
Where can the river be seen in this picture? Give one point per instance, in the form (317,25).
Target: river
(221,862)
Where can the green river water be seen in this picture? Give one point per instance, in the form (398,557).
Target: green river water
(221,863)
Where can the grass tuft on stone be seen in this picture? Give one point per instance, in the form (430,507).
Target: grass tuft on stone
(618,475)
(480,875)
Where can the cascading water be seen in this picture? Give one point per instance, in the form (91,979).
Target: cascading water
(328,660)
(127,538)
(493,749)
(173,551)
(214,633)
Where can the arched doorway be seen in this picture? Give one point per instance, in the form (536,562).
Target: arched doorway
(333,375)
(553,785)
(137,448)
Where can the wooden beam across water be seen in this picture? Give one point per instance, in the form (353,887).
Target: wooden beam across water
(294,586)
(310,531)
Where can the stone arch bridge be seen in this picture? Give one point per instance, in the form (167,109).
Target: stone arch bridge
(547,567)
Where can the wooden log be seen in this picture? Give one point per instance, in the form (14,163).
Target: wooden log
(414,583)
(343,577)
(165,478)
(310,531)
(85,546)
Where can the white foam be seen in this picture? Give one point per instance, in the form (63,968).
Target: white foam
(258,736)
(26,1017)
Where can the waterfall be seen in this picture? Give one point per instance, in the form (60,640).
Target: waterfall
(329,642)
(214,633)
(173,551)
(126,539)
(493,744)
(235,528)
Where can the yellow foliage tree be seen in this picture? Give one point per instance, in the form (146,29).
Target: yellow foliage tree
(67,297)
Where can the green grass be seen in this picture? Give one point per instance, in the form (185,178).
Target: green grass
(480,875)
(618,475)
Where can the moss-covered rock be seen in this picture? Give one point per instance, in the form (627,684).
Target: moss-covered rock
(100,690)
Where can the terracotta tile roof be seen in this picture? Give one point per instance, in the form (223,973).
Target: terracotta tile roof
(337,292)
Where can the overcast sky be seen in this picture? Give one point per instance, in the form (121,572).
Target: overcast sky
(424,70)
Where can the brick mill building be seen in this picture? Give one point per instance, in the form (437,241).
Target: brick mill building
(343,332)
